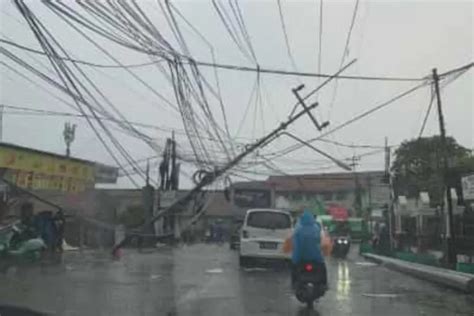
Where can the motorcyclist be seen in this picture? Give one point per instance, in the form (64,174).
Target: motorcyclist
(306,245)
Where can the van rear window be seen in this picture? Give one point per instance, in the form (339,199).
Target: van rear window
(270,220)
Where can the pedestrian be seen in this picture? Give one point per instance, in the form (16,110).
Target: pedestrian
(45,226)
(27,220)
(212,232)
(59,223)
(219,230)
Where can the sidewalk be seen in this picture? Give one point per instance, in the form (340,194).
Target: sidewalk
(453,279)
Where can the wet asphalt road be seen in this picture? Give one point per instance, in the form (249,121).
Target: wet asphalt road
(206,280)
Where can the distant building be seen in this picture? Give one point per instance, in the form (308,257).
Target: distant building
(319,192)
(94,215)
(31,175)
(35,169)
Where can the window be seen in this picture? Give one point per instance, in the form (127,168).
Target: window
(252,198)
(341,195)
(297,196)
(327,196)
(271,220)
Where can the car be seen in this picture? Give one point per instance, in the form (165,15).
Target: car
(263,234)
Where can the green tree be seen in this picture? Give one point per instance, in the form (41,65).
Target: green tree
(418,167)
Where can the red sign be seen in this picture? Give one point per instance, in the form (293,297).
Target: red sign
(338,212)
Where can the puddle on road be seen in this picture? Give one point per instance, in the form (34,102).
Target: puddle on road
(366,264)
(381,295)
(255,269)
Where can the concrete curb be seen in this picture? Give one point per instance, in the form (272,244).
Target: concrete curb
(453,279)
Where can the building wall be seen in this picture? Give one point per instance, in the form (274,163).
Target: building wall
(90,215)
(296,201)
(313,190)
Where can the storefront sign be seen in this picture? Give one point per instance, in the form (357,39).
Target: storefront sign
(105,174)
(468,187)
(32,162)
(37,171)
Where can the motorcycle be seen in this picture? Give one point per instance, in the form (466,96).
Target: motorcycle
(17,245)
(309,283)
(341,246)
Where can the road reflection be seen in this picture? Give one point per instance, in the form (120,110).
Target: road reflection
(343,282)
(303,311)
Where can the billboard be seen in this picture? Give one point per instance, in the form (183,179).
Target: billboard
(26,161)
(32,169)
(468,187)
(105,174)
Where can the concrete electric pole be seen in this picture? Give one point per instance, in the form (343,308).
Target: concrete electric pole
(450,233)
(1,122)
(209,177)
(357,189)
(388,175)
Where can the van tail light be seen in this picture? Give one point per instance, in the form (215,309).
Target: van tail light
(308,267)
(245,234)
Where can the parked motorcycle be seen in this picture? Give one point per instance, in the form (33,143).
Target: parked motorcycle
(309,283)
(341,246)
(17,244)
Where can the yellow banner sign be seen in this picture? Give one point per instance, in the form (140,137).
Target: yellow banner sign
(45,165)
(34,181)
(37,171)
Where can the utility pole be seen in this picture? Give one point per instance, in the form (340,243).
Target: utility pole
(357,197)
(69,134)
(1,122)
(369,192)
(147,198)
(450,233)
(209,177)
(391,195)
(174,171)
(147,182)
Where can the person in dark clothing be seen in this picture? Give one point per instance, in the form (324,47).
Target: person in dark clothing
(384,240)
(59,223)
(26,219)
(45,226)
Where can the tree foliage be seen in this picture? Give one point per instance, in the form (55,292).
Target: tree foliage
(418,167)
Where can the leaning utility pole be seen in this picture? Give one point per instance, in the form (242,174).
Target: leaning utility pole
(450,233)
(207,177)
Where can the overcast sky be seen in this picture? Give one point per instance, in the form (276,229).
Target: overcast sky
(389,39)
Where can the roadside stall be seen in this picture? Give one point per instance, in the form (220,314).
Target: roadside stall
(37,185)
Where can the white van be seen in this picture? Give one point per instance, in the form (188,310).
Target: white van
(263,233)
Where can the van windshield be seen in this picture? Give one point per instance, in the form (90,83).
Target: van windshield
(271,220)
